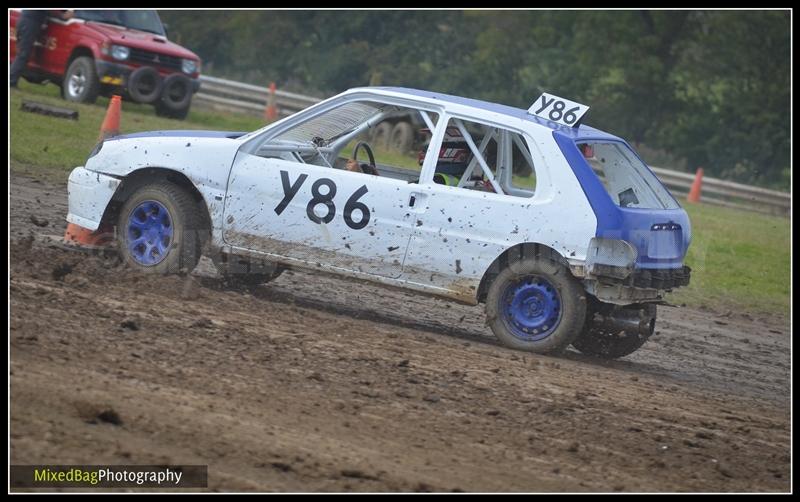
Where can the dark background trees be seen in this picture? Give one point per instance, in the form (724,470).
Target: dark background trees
(688,88)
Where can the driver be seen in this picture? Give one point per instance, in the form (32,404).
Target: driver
(354,166)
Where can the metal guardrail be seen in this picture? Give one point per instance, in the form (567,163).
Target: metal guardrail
(727,193)
(230,96)
(227,95)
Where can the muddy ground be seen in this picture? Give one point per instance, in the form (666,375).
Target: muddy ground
(312,383)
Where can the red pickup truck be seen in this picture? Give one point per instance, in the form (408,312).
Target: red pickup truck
(104,52)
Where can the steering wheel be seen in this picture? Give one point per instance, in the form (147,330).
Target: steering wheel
(370,168)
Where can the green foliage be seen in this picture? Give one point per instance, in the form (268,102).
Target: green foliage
(711,88)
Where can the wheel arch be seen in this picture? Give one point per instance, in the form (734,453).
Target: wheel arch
(79,51)
(146,175)
(516,253)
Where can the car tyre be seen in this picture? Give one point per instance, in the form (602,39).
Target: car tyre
(160,229)
(536,305)
(81,83)
(605,344)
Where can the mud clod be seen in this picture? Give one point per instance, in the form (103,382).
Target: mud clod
(130,324)
(61,271)
(39,222)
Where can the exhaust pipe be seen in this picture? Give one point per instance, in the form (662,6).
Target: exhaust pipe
(634,321)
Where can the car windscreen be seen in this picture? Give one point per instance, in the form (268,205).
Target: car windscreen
(328,126)
(144,20)
(625,177)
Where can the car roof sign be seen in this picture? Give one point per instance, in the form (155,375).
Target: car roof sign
(559,110)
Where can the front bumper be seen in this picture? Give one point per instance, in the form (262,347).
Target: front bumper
(88,195)
(118,73)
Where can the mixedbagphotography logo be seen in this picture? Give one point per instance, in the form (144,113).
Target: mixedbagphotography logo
(109,476)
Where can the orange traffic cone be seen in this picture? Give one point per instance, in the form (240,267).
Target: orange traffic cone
(80,236)
(271,112)
(697,186)
(110,125)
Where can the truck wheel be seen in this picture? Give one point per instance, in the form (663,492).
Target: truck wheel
(402,137)
(81,83)
(536,305)
(610,341)
(160,229)
(382,135)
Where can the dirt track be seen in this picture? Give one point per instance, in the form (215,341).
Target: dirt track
(312,383)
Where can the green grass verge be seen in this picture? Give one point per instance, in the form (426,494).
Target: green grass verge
(740,261)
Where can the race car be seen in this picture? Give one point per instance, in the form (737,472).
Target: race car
(559,229)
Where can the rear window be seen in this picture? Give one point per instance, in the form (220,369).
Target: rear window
(626,179)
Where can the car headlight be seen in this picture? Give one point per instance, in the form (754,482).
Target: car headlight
(188,66)
(120,52)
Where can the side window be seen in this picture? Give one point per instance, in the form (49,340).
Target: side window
(482,157)
(366,137)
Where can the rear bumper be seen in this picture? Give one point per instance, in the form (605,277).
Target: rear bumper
(641,285)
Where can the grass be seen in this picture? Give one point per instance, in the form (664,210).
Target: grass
(50,147)
(740,261)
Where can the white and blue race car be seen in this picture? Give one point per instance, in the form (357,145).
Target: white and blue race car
(560,229)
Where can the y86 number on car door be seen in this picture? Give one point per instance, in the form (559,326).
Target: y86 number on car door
(324,198)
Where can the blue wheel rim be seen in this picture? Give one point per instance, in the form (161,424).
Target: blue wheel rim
(531,308)
(149,233)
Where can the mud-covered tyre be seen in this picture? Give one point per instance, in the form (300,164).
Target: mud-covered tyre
(536,305)
(81,83)
(160,229)
(609,344)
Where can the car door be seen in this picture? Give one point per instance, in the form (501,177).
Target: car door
(288,209)
(461,229)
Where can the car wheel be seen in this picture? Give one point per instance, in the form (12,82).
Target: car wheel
(81,83)
(536,305)
(612,343)
(160,229)
(402,137)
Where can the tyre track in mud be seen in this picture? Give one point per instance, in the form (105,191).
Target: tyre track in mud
(312,383)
